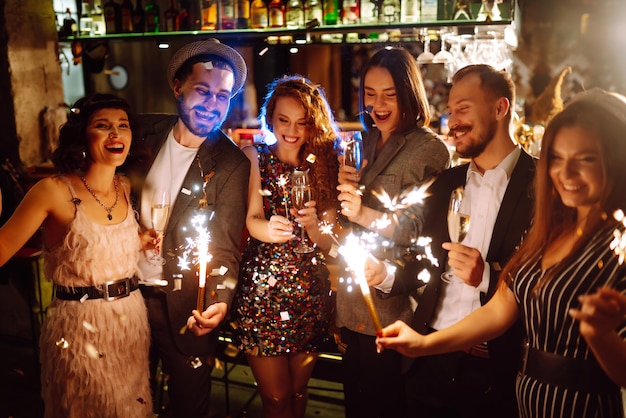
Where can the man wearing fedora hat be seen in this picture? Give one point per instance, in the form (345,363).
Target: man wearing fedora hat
(206,176)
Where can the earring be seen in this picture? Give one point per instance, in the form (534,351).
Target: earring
(84,155)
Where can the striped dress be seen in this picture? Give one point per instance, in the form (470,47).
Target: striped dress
(551,329)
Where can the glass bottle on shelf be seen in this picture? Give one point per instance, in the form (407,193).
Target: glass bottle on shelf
(228,14)
(313,10)
(294,14)
(276,12)
(126,16)
(389,11)
(139,17)
(410,11)
(86,21)
(369,11)
(331,12)
(350,12)
(242,14)
(112,16)
(99,27)
(258,15)
(428,11)
(172,18)
(190,14)
(209,14)
(153,17)
(69,24)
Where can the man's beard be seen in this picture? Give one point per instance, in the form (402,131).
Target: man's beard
(201,130)
(484,138)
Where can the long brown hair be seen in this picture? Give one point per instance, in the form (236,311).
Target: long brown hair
(323,133)
(603,114)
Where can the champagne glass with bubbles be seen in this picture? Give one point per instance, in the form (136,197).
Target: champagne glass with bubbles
(352,149)
(159,213)
(458,222)
(300,194)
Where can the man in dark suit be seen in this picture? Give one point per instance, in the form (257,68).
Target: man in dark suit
(207,178)
(477,382)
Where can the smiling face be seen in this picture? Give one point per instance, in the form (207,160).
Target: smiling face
(472,119)
(289,123)
(380,94)
(575,168)
(109,137)
(204,98)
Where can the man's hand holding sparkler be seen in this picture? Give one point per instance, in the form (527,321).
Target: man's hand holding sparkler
(375,271)
(205,322)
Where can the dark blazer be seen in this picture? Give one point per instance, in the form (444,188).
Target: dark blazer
(513,221)
(226,194)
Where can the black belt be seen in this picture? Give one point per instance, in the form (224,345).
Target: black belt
(108,291)
(582,375)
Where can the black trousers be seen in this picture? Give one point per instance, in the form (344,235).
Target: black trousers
(457,385)
(372,382)
(189,383)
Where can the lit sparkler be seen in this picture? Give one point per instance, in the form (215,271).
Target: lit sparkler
(283,179)
(356,251)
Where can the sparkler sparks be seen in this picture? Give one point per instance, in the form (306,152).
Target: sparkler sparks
(618,245)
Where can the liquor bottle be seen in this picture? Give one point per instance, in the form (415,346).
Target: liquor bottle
(369,11)
(428,11)
(112,17)
(410,11)
(126,16)
(228,14)
(242,14)
(313,10)
(190,14)
(294,14)
(258,15)
(172,18)
(350,12)
(331,12)
(69,24)
(389,11)
(139,17)
(209,14)
(276,12)
(153,17)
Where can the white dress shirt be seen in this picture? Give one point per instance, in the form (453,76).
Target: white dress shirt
(484,193)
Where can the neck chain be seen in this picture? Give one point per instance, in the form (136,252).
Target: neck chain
(105,207)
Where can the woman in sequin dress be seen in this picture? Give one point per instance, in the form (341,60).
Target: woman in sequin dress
(566,282)
(95,339)
(281,311)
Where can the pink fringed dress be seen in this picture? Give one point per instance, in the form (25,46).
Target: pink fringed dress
(94,354)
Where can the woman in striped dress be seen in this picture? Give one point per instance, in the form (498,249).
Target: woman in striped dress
(566,282)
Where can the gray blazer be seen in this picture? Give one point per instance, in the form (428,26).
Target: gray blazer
(227,193)
(406,160)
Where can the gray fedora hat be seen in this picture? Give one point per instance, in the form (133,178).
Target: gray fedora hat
(210,46)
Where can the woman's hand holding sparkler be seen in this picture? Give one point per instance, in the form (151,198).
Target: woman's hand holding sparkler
(375,271)
(205,322)
(279,229)
(401,337)
(600,313)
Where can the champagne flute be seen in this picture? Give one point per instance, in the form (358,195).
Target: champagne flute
(353,149)
(159,213)
(458,222)
(300,194)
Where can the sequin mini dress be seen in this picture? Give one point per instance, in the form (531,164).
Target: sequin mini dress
(282,303)
(94,354)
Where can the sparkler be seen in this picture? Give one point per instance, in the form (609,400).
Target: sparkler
(283,179)
(201,245)
(356,251)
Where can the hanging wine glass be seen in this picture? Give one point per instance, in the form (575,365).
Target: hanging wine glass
(458,222)
(443,56)
(159,213)
(300,194)
(425,57)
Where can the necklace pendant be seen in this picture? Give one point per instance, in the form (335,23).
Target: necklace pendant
(110,217)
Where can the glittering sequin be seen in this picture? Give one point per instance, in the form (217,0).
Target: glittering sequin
(282,302)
